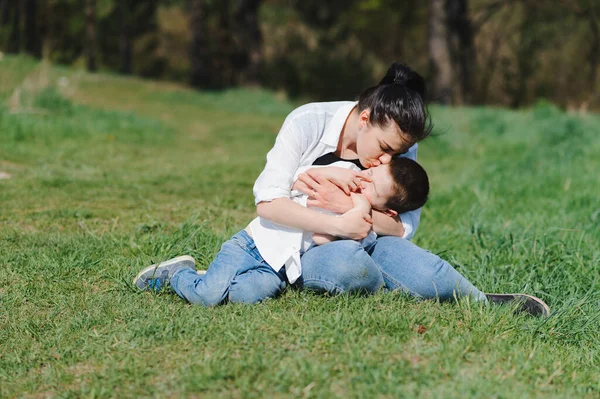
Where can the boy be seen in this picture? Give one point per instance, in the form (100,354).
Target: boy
(267,248)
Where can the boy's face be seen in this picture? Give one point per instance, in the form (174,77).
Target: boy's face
(380,189)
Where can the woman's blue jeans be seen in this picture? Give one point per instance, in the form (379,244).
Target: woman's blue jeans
(240,274)
(391,262)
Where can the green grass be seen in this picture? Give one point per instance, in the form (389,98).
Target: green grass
(109,174)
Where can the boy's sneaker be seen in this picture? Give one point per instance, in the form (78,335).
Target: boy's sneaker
(527,303)
(157,276)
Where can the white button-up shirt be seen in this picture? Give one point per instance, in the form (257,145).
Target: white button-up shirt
(308,133)
(280,245)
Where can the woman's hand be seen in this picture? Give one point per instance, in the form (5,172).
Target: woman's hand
(346,179)
(354,225)
(323,193)
(357,222)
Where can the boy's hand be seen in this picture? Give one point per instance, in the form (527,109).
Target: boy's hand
(322,239)
(346,179)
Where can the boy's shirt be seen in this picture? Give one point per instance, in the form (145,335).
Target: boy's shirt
(283,246)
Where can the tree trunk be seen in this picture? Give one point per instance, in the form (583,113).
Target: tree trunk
(595,50)
(199,73)
(90,34)
(489,68)
(526,55)
(249,41)
(439,55)
(14,39)
(406,19)
(5,8)
(125,37)
(462,49)
(33,38)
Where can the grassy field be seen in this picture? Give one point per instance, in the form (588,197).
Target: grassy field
(102,175)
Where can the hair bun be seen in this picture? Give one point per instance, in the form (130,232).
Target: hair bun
(400,74)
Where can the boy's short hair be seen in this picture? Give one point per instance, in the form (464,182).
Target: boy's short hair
(411,185)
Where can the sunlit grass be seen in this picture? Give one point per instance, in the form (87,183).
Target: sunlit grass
(109,174)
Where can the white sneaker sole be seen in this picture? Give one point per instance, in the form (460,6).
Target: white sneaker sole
(541,308)
(182,258)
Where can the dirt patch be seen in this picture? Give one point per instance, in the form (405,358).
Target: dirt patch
(5,175)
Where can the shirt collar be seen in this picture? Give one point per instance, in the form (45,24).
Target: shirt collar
(336,124)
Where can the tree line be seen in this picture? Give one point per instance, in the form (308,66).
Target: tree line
(504,52)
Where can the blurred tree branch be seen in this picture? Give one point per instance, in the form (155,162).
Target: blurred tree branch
(90,34)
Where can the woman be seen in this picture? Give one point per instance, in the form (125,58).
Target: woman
(388,120)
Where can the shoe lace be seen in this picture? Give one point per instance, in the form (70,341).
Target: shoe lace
(157,282)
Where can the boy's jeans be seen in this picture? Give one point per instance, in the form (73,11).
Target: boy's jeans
(238,274)
(344,265)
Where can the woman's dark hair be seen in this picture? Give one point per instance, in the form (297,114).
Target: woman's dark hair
(399,98)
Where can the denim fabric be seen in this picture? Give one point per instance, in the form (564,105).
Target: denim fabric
(414,270)
(344,266)
(238,274)
(340,266)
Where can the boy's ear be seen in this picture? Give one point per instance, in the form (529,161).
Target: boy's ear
(391,212)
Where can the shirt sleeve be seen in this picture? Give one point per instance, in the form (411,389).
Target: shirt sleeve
(276,180)
(410,220)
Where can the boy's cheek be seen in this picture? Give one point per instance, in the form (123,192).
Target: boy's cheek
(367,194)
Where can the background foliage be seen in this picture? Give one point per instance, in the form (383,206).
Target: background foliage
(501,52)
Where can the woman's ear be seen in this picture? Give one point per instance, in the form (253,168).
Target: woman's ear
(363,118)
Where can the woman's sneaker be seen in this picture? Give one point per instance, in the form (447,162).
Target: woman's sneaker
(527,303)
(157,276)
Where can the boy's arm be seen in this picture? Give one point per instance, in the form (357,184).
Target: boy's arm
(322,239)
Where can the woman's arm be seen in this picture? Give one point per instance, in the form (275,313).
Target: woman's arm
(324,194)
(385,225)
(354,224)
(327,195)
(358,200)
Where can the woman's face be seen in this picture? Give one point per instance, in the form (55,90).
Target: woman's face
(376,145)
